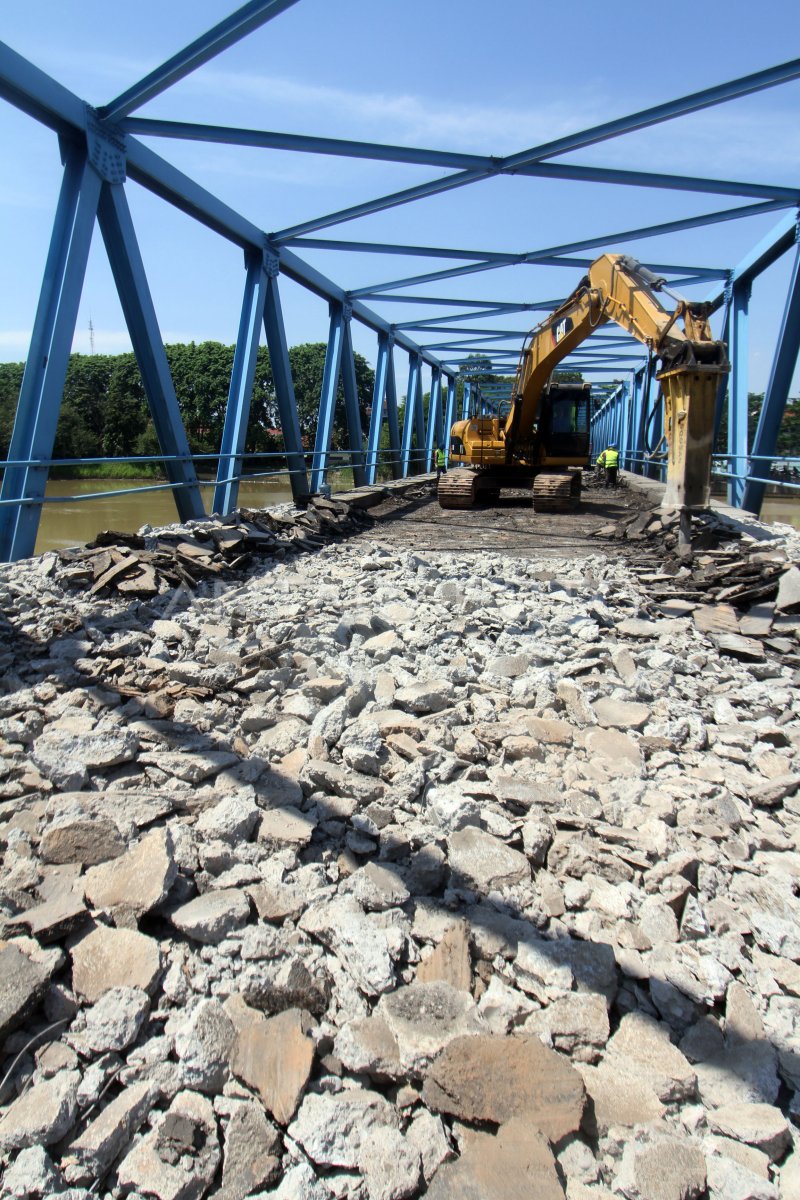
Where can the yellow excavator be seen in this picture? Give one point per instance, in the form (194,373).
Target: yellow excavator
(543,442)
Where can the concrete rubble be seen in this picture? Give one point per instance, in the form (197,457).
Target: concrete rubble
(351,873)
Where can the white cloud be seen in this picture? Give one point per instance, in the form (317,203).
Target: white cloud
(384,116)
(718,140)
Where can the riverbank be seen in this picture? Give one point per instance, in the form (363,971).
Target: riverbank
(378,871)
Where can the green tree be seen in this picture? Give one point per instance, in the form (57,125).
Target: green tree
(10,383)
(308,365)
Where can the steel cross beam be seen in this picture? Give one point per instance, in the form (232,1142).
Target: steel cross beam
(779,239)
(226,33)
(497,310)
(265,139)
(537,256)
(512,164)
(498,256)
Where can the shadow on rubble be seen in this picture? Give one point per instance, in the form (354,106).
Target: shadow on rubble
(731,1055)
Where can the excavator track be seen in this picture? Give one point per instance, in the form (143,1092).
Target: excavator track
(457,489)
(556,491)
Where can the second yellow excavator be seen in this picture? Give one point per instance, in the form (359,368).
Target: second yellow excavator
(544,440)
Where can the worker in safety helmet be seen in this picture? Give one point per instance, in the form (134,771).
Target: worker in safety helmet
(440,461)
(609,459)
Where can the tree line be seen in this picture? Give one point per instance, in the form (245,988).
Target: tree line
(105,414)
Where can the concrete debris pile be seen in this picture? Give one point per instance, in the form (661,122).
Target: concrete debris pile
(659,527)
(145,565)
(434,877)
(743,592)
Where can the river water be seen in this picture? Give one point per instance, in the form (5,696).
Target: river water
(72,523)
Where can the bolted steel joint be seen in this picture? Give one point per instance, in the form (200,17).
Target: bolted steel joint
(107,147)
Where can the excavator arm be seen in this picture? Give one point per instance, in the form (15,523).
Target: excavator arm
(691,362)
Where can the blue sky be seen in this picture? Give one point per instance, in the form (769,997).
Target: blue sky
(449,75)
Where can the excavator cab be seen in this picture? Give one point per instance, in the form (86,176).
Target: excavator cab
(563,426)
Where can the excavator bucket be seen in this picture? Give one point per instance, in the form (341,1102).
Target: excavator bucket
(690,394)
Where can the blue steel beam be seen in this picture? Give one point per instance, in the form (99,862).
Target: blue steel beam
(413,398)
(229,135)
(327,403)
(383,366)
(744,86)
(499,256)
(393,420)
(783,364)
(46,367)
(466,401)
(433,434)
(449,412)
(236,26)
(498,311)
(355,435)
(166,181)
(237,410)
(738,352)
(767,251)
(128,270)
(284,385)
(722,387)
(627,235)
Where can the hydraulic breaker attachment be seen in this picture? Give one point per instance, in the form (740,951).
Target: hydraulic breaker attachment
(690,394)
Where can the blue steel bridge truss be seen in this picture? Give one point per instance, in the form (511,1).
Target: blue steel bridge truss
(101,151)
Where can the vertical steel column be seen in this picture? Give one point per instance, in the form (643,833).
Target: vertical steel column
(449,412)
(419,424)
(409,415)
(765,441)
(637,423)
(140,316)
(39,403)
(327,401)
(626,435)
(395,450)
(240,392)
(433,437)
(656,469)
(284,385)
(722,390)
(382,368)
(737,392)
(466,401)
(355,434)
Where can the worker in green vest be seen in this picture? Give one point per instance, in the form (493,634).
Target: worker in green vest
(609,459)
(440,461)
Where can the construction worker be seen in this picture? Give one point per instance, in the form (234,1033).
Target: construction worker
(609,459)
(440,461)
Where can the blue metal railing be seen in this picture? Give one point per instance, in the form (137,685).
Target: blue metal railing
(717,472)
(417,455)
